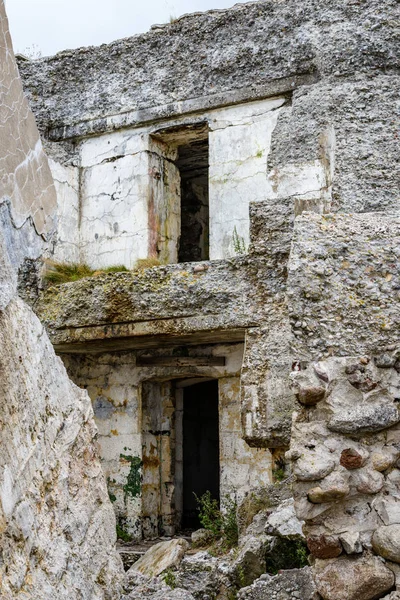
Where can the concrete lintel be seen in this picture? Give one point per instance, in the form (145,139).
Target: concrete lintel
(144,116)
(147,334)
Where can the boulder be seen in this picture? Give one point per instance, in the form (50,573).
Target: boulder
(287,585)
(284,522)
(160,557)
(250,563)
(141,587)
(57,524)
(204,576)
(386,542)
(201,537)
(344,578)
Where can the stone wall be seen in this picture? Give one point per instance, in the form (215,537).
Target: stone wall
(343,304)
(191,304)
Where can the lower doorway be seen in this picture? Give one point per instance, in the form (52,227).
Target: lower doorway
(200,430)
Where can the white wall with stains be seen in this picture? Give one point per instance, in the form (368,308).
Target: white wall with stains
(139,438)
(121,202)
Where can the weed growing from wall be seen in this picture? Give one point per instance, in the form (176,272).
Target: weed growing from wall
(58,273)
(238,243)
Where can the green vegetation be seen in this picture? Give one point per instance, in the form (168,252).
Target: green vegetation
(287,554)
(279,474)
(209,514)
(122,534)
(169,578)
(279,471)
(58,273)
(146,263)
(134,479)
(239,245)
(222,525)
(241,576)
(110,485)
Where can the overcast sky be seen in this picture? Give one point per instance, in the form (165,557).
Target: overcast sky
(53,25)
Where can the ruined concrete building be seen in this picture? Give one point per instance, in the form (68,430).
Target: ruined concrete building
(231,182)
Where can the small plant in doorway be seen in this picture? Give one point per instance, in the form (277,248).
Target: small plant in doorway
(209,514)
(222,524)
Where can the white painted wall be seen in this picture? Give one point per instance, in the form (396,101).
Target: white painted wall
(126,204)
(114,228)
(240,140)
(66,182)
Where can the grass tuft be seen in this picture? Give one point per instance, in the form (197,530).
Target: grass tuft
(146,263)
(58,273)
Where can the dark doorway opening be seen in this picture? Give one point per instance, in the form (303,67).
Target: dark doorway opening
(200,448)
(193,165)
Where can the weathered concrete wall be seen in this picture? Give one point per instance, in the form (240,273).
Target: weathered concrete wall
(215,302)
(57,527)
(211,55)
(133,404)
(343,285)
(329,139)
(124,195)
(343,304)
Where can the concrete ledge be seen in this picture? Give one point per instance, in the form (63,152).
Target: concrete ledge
(145,116)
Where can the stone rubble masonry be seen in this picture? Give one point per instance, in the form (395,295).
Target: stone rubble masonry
(345,452)
(57,526)
(345,446)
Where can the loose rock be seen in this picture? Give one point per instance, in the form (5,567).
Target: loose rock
(160,557)
(365,578)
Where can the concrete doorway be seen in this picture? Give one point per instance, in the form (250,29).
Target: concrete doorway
(200,447)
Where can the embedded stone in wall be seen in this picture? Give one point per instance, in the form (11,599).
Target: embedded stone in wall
(345,461)
(365,578)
